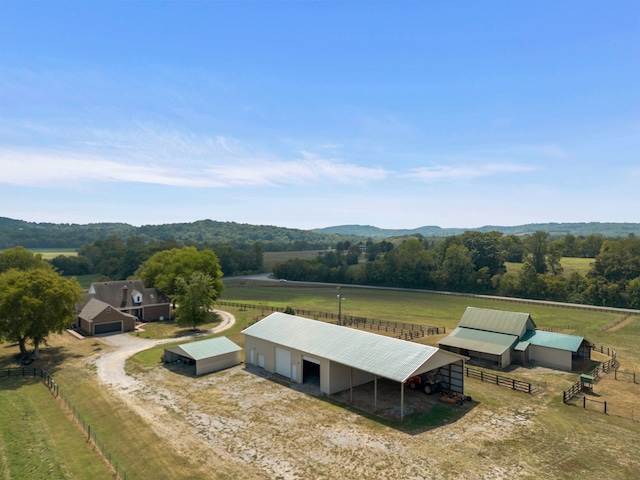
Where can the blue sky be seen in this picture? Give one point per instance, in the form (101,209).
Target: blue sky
(308,114)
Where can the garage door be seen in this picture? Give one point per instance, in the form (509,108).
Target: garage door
(283,362)
(107,328)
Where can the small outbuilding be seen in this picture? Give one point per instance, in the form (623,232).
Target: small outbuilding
(206,355)
(341,358)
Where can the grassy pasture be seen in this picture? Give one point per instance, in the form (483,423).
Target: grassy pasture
(560,442)
(38,439)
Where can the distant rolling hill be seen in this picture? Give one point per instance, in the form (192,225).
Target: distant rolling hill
(64,235)
(577,229)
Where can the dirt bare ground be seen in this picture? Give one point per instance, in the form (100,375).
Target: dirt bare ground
(246,423)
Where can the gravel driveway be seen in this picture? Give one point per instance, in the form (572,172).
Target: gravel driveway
(110,365)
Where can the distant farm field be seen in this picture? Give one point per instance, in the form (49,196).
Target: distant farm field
(49,253)
(569,265)
(273,258)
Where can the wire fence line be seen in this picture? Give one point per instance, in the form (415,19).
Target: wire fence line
(92,436)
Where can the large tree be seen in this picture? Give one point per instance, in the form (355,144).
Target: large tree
(164,268)
(537,246)
(35,303)
(196,297)
(20,258)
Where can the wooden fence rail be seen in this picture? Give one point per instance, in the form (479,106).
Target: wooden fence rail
(623,376)
(501,381)
(610,365)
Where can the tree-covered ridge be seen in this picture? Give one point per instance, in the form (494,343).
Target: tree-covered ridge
(209,232)
(609,229)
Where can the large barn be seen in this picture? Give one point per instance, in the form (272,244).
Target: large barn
(499,338)
(343,358)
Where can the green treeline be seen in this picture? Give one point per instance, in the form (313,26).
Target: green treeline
(474,262)
(49,235)
(117,259)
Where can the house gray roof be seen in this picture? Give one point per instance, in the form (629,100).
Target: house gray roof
(498,321)
(120,294)
(205,348)
(95,307)
(559,341)
(386,357)
(479,341)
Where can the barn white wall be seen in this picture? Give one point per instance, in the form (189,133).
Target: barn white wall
(550,357)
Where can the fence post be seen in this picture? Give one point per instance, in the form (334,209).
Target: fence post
(564,396)
(584,402)
(605,407)
(513,384)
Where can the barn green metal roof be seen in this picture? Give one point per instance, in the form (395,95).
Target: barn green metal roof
(499,321)
(205,348)
(559,341)
(383,356)
(479,340)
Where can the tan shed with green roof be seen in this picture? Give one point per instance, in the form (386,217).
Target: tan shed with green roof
(497,338)
(205,355)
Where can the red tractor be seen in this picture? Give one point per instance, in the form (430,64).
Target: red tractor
(427,382)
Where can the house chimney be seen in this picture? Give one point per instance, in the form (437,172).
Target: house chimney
(124,295)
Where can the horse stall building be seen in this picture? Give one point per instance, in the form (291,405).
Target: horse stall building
(342,358)
(497,339)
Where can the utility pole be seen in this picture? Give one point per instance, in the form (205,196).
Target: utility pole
(339,307)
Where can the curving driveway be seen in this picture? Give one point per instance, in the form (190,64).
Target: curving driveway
(110,365)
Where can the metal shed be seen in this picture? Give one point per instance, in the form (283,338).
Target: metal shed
(341,357)
(206,355)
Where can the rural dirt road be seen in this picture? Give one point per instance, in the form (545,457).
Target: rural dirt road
(110,365)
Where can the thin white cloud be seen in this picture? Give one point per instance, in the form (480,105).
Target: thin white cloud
(445,172)
(295,172)
(36,168)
